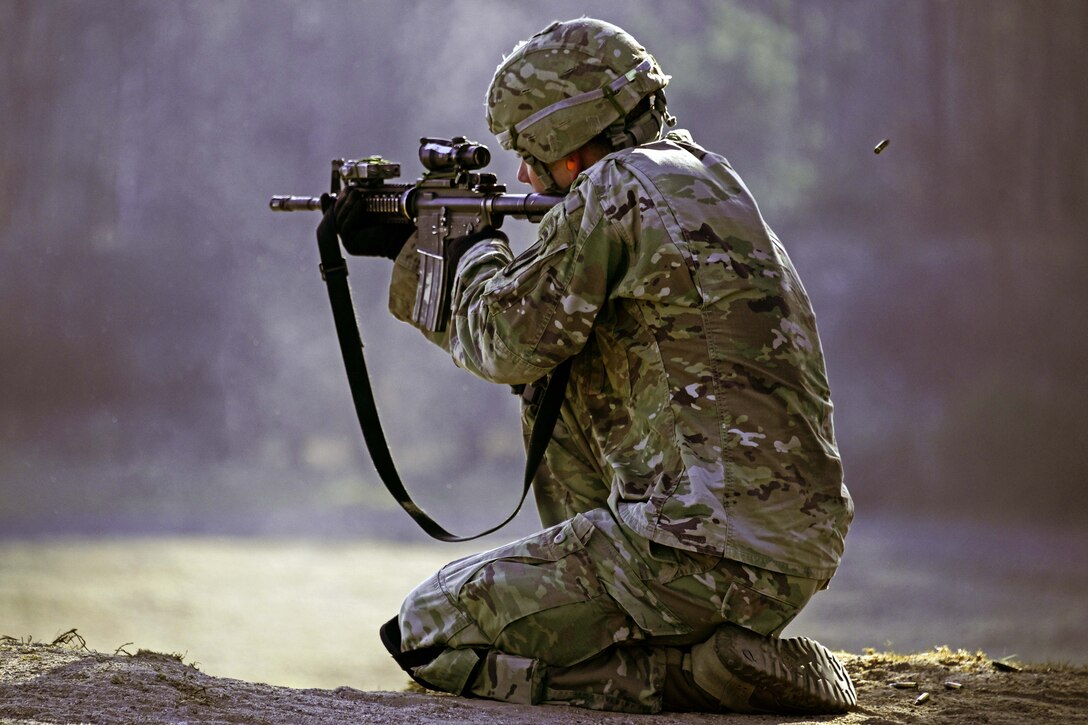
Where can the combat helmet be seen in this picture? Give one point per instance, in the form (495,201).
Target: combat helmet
(569,83)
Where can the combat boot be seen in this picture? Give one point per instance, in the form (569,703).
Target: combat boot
(748,672)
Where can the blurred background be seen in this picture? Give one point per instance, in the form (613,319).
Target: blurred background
(172,400)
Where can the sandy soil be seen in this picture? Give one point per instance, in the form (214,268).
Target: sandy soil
(65,682)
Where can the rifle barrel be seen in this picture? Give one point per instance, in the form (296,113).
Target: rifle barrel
(295,203)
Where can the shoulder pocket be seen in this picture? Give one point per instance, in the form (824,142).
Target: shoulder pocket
(530,258)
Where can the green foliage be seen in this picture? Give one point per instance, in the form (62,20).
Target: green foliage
(736,84)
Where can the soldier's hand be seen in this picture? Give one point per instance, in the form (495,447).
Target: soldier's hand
(361,232)
(459,246)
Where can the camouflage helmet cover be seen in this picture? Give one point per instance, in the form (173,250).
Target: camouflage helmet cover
(567,84)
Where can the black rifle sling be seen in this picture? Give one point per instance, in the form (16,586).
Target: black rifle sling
(334,271)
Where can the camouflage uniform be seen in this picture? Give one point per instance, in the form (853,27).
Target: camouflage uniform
(693,477)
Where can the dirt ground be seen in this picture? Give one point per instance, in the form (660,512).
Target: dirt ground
(64,682)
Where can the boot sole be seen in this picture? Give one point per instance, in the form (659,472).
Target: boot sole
(796,673)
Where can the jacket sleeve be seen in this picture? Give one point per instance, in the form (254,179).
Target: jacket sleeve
(402,291)
(514,319)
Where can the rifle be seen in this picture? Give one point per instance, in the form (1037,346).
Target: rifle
(452,200)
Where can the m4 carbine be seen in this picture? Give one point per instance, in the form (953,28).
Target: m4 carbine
(452,200)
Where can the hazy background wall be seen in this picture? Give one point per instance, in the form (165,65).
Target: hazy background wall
(167,358)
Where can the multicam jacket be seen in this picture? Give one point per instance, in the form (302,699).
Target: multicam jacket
(698,396)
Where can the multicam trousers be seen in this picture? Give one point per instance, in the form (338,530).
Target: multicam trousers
(585,613)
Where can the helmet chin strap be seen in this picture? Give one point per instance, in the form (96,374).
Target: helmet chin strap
(543,172)
(644,129)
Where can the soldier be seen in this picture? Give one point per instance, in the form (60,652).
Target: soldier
(692,490)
